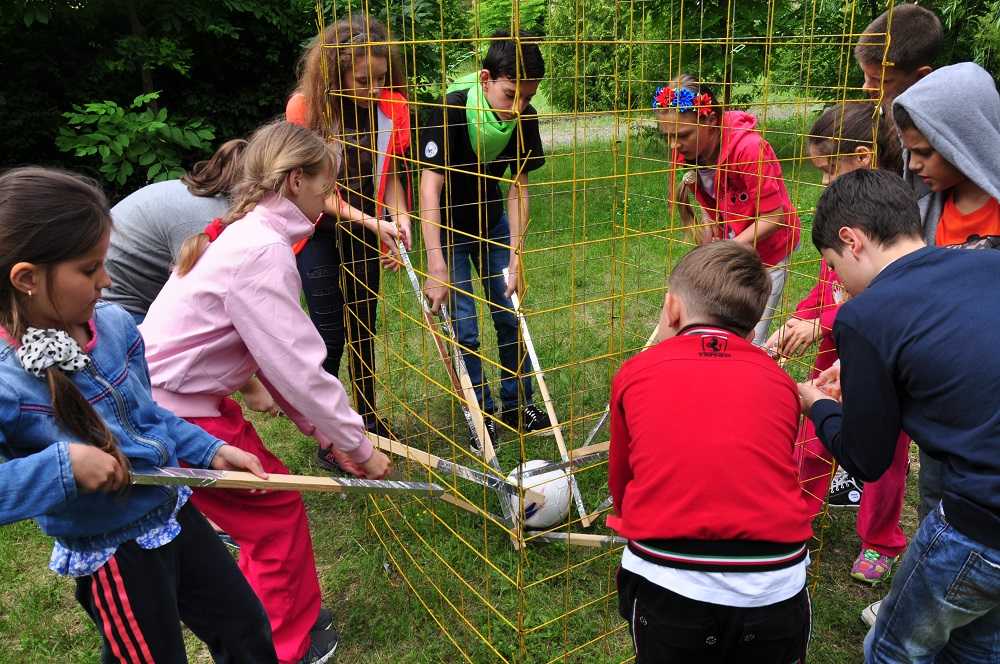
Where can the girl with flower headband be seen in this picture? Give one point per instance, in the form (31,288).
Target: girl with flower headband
(76,414)
(846,137)
(350,89)
(231,309)
(738,180)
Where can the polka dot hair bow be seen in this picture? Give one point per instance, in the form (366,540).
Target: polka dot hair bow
(42,349)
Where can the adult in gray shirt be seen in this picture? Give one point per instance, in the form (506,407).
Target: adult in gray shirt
(151,224)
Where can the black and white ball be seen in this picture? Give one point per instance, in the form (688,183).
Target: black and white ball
(554,485)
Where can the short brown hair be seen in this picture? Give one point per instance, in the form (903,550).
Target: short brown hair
(915,38)
(724,282)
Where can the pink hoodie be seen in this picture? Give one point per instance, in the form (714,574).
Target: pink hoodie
(236,313)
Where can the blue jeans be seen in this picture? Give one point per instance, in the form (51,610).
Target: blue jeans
(489,260)
(944,604)
(137,317)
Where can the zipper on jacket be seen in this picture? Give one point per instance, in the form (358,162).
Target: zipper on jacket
(122,412)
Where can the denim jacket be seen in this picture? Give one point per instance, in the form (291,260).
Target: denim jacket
(36,480)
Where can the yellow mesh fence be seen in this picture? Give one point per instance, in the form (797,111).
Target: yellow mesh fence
(598,237)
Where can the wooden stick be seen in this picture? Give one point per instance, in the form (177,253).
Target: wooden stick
(232,479)
(547,400)
(533,499)
(596,448)
(581,539)
(462,384)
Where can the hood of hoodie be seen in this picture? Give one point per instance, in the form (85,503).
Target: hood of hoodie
(735,128)
(957,109)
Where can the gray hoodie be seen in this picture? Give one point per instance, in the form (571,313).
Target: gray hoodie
(957,109)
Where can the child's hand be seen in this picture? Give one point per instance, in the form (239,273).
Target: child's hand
(810,394)
(233,458)
(95,470)
(405,232)
(387,234)
(796,335)
(515,279)
(436,286)
(377,466)
(829,382)
(257,398)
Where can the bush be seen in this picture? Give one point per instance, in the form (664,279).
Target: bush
(135,145)
(496,15)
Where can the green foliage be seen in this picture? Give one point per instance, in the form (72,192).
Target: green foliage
(496,15)
(134,145)
(972,32)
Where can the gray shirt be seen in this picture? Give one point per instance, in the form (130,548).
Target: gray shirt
(150,225)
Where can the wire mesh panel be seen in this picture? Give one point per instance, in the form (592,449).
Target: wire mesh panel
(593,231)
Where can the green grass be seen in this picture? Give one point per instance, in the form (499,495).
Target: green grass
(599,251)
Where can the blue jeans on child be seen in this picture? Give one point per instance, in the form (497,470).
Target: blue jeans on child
(489,260)
(944,604)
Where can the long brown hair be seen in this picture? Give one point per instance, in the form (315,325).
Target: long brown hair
(843,128)
(218,174)
(48,217)
(331,55)
(274,151)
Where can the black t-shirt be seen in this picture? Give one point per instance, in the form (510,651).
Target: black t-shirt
(357,172)
(469,202)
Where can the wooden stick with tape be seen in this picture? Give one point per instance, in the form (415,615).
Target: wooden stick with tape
(234,479)
(547,400)
(462,384)
(533,499)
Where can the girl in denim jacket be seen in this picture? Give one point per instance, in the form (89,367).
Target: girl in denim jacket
(76,414)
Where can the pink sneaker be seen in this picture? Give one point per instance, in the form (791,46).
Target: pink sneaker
(871,567)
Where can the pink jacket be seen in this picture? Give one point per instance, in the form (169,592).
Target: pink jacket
(236,313)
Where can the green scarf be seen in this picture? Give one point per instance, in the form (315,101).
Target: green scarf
(488,134)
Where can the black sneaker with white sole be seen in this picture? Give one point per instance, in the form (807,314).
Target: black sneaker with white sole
(491,429)
(322,646)
(529,419)
(845,491)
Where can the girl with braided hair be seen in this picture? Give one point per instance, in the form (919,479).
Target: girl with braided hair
(230,309)
(76,414)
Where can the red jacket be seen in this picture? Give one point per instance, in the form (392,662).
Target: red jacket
(822,302)
(749,182)
(702,433)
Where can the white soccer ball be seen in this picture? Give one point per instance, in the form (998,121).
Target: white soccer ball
(554,485)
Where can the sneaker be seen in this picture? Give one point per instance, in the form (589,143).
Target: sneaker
(324,620)
(845,491)
(228,540)
(871,567)
(322,645)
(529,419)
(491,430)
(870,613)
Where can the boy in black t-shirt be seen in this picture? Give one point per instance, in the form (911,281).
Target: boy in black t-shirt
(485,127)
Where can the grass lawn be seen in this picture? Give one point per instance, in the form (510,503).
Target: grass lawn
(600,247)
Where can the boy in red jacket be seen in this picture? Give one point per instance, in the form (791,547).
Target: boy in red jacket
(715,569)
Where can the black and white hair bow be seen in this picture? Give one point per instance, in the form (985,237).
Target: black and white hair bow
(42,349)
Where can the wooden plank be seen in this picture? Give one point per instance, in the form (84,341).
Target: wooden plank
(534,500)
(549,407)
(233,479)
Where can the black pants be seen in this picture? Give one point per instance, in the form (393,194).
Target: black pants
(139,598)
(340,276)
(667,627)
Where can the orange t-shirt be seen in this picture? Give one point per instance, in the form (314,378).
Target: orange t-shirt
(955,227)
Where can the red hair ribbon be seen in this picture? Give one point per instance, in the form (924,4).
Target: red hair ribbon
(214,229)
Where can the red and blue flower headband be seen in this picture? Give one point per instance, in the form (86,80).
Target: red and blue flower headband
(683,100)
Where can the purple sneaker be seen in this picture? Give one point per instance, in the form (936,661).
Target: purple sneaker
(871,567)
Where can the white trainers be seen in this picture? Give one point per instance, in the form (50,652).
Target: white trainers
(870,613)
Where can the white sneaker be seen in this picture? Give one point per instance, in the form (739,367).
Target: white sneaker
(870,613)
